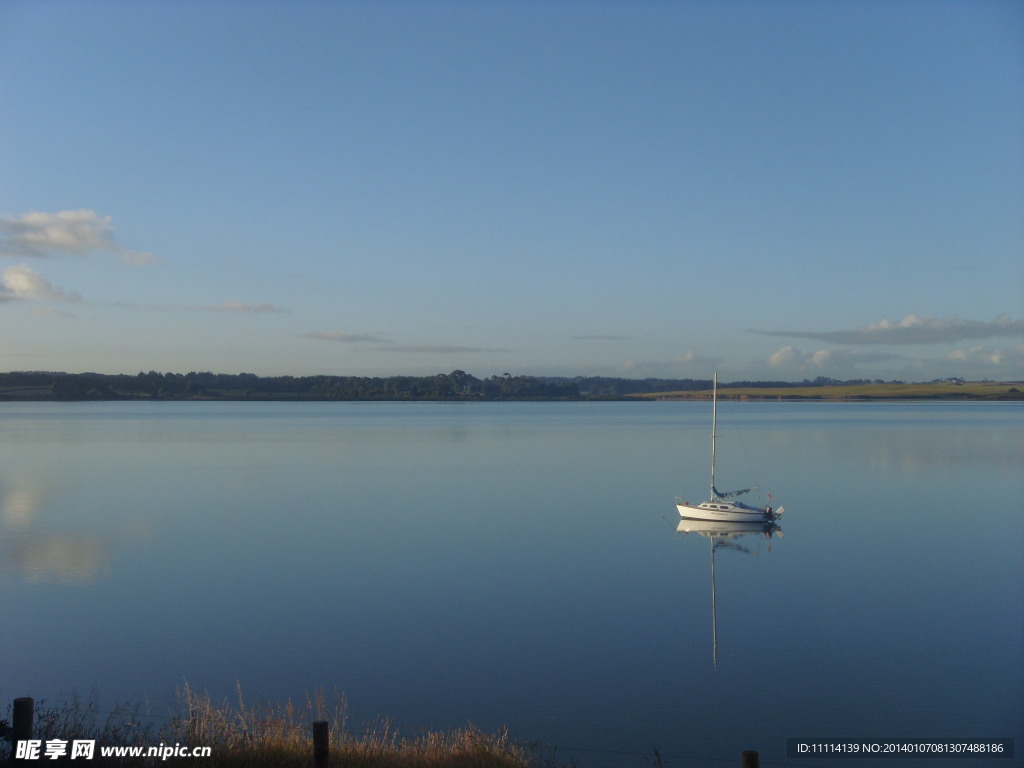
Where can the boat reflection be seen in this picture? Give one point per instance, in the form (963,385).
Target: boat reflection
(725,535)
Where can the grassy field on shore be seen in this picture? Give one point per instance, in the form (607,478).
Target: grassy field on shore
(237,734)
(971,390)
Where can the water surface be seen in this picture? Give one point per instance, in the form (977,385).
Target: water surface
(520,564)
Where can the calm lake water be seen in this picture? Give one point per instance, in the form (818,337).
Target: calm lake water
(519,564)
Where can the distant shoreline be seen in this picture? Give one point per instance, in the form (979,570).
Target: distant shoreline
(459,386)
(970,390)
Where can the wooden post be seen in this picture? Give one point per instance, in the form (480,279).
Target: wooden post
(750,760)
(321,744)
(21,725)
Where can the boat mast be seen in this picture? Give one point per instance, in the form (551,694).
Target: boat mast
(714,430)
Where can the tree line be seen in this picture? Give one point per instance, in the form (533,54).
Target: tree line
(457,385)
(206,385)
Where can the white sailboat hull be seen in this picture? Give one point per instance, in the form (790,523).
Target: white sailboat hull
(726,512)
(719,509)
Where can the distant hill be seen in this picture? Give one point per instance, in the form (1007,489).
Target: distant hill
(459,385)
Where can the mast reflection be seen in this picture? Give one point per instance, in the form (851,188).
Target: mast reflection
(725,535)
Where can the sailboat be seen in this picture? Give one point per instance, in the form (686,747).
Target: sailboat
(720,508)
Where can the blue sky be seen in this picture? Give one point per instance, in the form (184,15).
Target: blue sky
(776,190)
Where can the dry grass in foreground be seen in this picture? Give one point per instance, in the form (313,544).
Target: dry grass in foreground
(241,735)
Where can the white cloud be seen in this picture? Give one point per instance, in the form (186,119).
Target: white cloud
(137,258)
(689,357)
(347,338)
(66,231)
(975,362)
(389,346)
(838,363)
(912,329)
(684,366)
(238,306)
(39,234)
(983,355)
(440,349)
(785,357)
(20,283)
(823,358)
